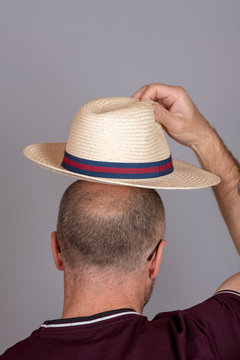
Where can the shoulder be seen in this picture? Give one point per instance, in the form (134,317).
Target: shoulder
(24,349)
(213,325)
(221,301)
(222,307)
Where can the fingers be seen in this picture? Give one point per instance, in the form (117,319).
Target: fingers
(161,114)
(169,120)
(140,92)
(164,94)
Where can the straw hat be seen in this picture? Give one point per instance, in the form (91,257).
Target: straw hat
(118,141)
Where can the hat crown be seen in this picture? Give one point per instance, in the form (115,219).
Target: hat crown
(117,129)
(118,141)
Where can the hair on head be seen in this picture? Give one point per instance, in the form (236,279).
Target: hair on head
(108,225)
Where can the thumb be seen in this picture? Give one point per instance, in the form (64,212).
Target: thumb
(161,114)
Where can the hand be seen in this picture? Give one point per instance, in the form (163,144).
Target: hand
(182,120)
(178,114)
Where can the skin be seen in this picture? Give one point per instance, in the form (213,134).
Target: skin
(131,292)
(112,289)
(182,120)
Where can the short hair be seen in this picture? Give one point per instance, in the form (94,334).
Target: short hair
(104,229)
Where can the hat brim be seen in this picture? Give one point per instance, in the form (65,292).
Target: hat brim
(185,176)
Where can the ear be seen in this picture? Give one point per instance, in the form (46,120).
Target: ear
(56,254)
(156,261)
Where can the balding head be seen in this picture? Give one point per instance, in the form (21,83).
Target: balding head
(109,226)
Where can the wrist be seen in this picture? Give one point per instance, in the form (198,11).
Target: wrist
(215,157)
(207,148)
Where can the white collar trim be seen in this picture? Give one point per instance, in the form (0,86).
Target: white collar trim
(89,321)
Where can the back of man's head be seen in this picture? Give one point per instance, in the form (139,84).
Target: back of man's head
(108,226)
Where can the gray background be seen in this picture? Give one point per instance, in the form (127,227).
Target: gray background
(55,56)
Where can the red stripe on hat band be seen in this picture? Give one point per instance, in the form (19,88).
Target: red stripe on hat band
(117,170)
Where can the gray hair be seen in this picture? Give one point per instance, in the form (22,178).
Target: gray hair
(108,229)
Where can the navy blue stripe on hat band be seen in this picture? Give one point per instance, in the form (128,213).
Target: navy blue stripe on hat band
(117,170)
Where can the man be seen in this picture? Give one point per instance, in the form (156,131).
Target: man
(106,286)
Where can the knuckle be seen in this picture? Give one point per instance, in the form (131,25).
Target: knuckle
(181,89)
(161,117)
(153,85)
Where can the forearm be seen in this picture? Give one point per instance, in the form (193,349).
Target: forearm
(216,158)
(181,118)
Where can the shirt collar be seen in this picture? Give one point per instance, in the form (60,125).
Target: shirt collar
(88,319)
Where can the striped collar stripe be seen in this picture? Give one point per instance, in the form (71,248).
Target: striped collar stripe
(89,321)
(117,170)
(227,292)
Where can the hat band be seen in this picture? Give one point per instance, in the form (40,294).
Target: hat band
(117,170)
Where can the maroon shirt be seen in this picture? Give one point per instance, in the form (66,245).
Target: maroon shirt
(210,330)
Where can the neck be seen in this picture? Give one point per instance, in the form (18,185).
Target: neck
(85,298)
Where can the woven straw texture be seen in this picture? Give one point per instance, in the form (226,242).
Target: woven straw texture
(119,130)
